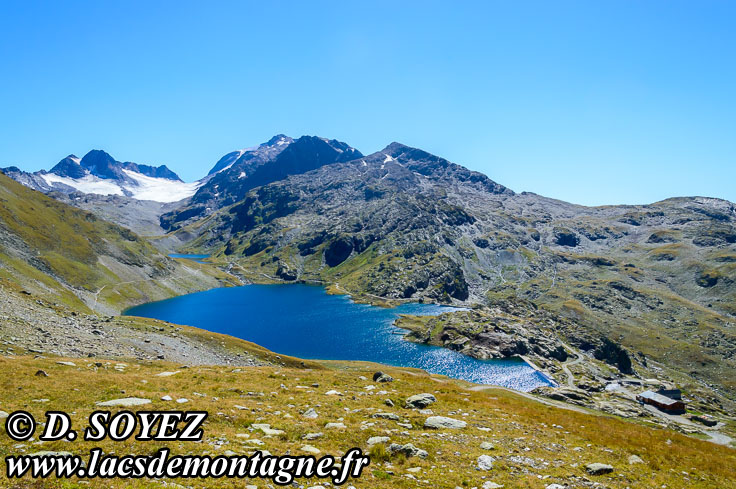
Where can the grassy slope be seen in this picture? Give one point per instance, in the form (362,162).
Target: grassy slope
(72,257)
(532,440)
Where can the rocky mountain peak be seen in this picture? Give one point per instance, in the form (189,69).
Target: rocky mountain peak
(278,140)
(101,164)
(69,167)
(439,169)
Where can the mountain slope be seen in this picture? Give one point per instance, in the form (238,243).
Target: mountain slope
(66,255)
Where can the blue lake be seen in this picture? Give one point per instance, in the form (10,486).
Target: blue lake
(305,322)
(197,258)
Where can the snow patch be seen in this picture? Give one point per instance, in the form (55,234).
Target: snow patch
(159,189)
(88,184)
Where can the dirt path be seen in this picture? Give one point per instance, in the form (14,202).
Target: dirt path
(566,365)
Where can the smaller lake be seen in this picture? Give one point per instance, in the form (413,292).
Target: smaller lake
(197,258)
(304,321)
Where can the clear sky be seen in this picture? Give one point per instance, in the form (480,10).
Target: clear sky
(593,102)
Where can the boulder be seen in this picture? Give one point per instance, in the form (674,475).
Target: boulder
(420,401)
(485,462)
(375,440)
(598,469)
(635,459)
(409,450)
(125,402)
(381,377)
(438,422)
(266,429)
(310,449)
(391,416)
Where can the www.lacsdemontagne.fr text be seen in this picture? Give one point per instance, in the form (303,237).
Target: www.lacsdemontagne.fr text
(282,470)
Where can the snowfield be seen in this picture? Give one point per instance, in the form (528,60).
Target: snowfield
(88,184)
(160,189)
(145,187)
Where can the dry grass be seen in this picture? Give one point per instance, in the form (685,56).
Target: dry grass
(546,437)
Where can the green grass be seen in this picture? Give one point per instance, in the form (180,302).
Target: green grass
(517,426)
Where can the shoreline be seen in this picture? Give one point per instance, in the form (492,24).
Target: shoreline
(462,367)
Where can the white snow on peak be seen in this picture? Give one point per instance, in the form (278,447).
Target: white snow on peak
(242,175)
(159,189)
(145,187)
(88,184)
(240,153)
(282,141)
(75,160)
(388,158)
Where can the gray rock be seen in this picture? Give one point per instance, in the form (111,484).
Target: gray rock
(438,422)
(487,446)
(125,402)
(409,450)
(390,416)
(598,469)
(635,459)
(312,436)
(375,440)
(311,449)
(491,485)
(420,401)
(266,429)
(381,377)
(310,413)
(554,486)
(3,415)
(485,462)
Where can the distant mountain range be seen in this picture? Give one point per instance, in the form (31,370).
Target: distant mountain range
(628,284)
(236,172)
(99,173)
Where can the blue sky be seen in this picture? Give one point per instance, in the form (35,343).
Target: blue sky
(590,102)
